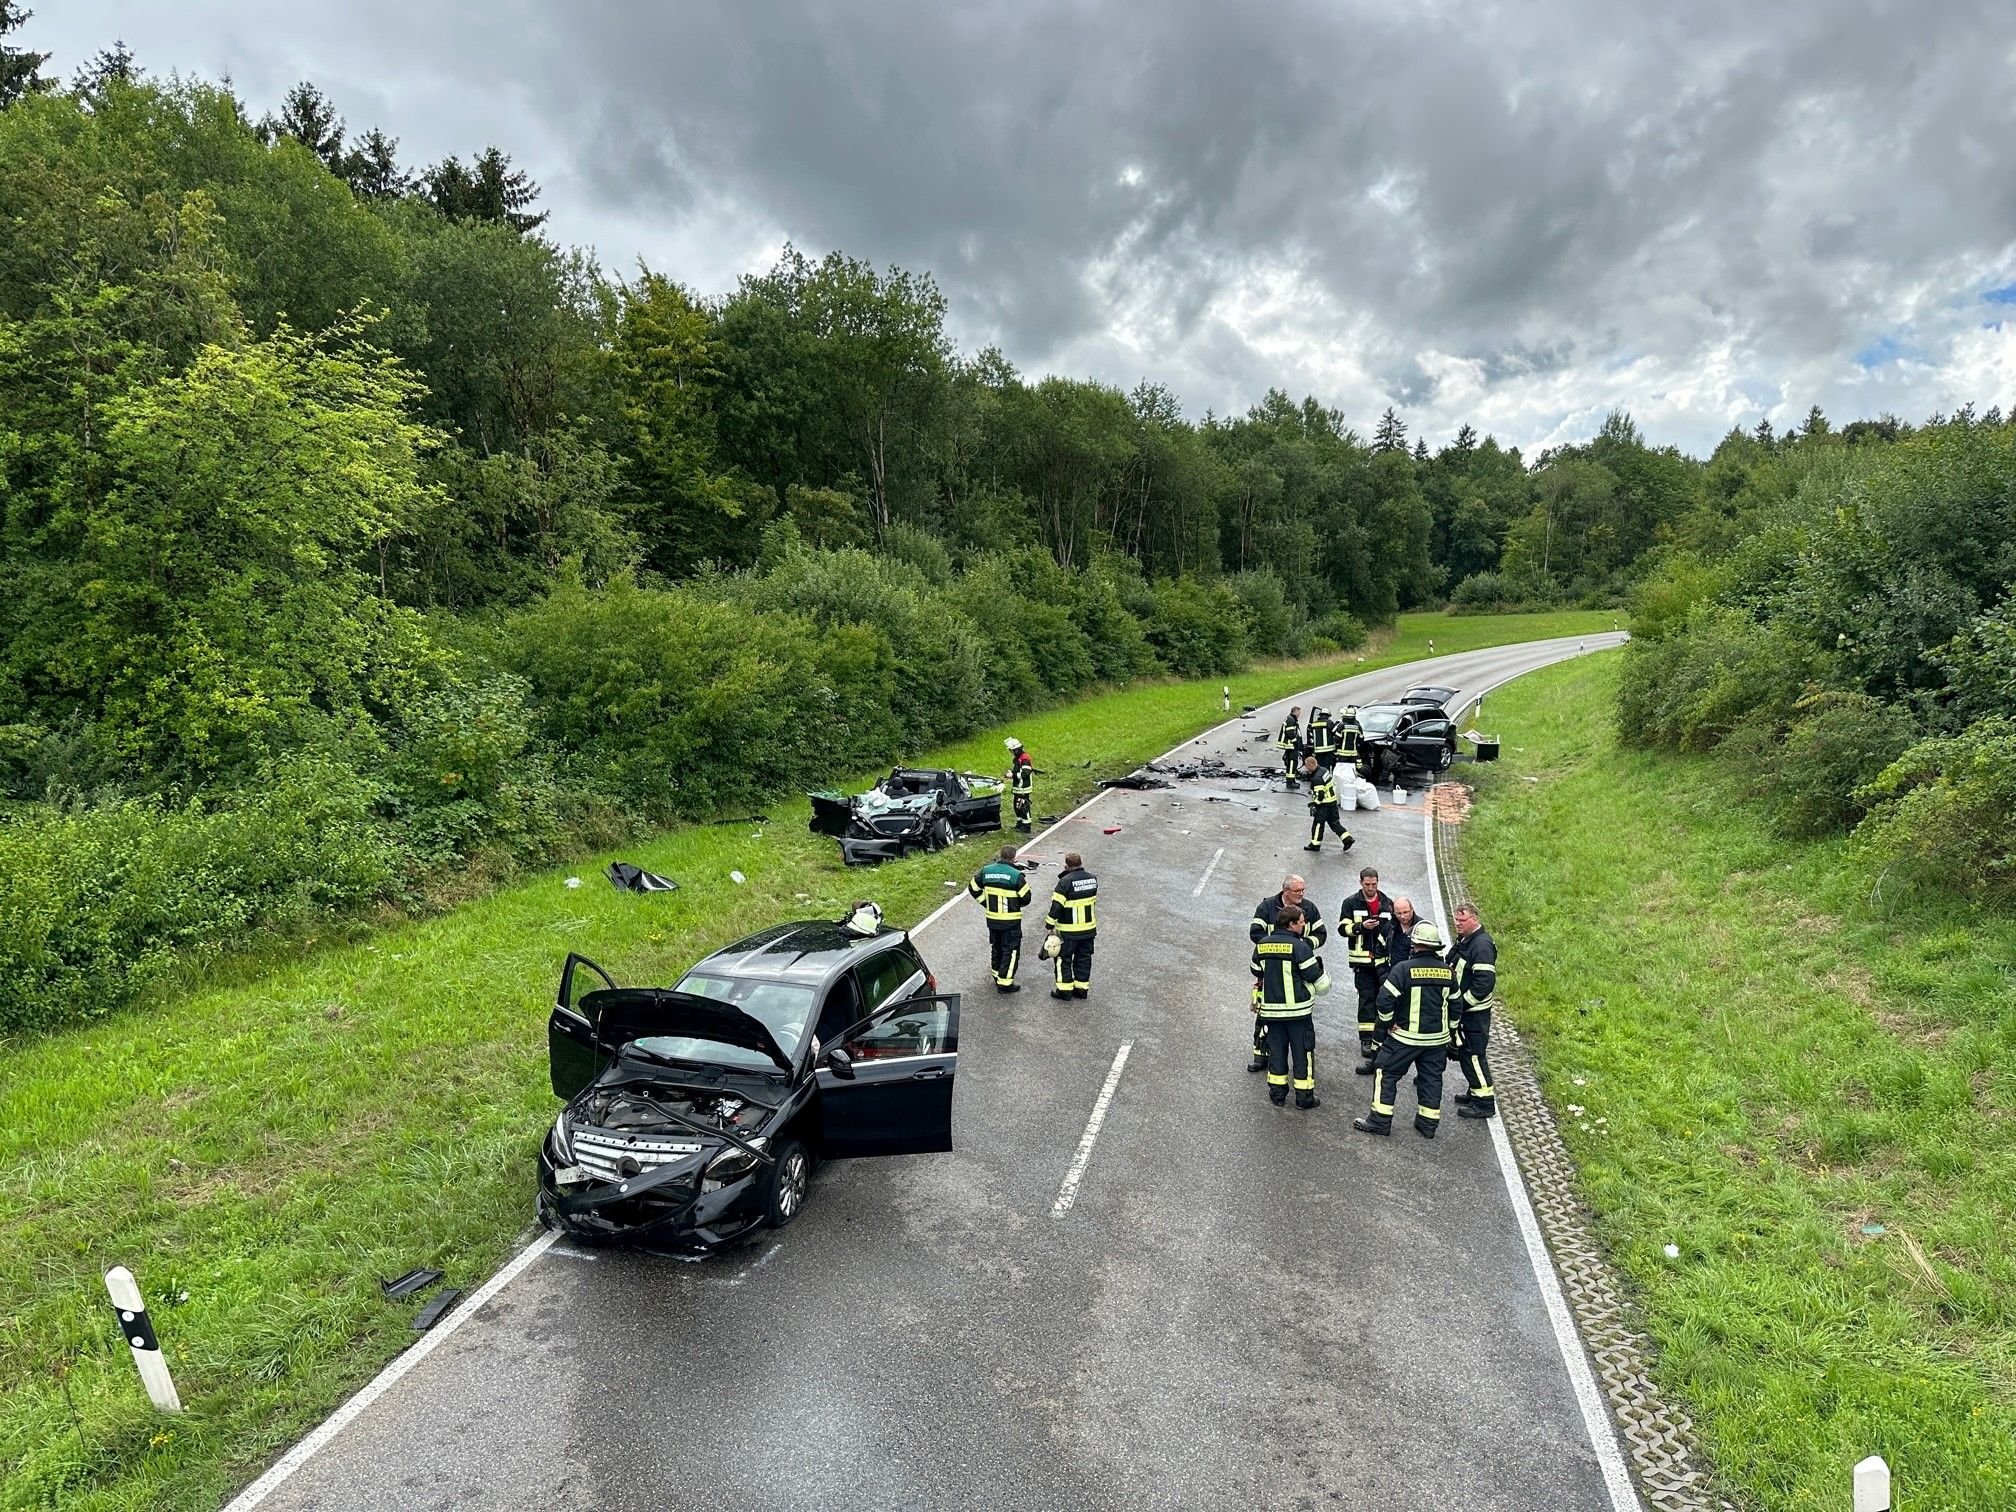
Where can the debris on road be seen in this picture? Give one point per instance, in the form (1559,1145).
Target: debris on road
(1111,829)
(737,878)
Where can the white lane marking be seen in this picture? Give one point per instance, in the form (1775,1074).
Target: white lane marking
(1068,1193)
(1595,1416)
(387,1378)
(1198,890)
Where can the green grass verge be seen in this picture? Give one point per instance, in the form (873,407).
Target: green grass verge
(1806,1092)
(274,1141)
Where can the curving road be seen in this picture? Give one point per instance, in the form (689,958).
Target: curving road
(1242,1305)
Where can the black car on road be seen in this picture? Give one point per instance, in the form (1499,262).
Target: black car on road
(695,1113)
(1401,737)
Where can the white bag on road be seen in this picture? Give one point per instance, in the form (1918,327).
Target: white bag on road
(1368,796)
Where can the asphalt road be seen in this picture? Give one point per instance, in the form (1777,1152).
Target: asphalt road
(1246,1305)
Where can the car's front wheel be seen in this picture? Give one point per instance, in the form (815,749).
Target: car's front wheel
(785,1187)
(1445,758)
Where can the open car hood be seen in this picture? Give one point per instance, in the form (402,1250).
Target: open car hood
(622,1014)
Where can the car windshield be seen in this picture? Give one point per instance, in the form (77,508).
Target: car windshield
(784,1008)
(1378,721)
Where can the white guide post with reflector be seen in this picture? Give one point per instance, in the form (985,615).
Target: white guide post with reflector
(132,1311)
(1872,1485)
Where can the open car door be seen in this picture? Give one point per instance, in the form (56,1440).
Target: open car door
(899,1099)
(1428,743)
(976,804)
(574,1056)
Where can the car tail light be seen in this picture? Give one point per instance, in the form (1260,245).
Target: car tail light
(930,980)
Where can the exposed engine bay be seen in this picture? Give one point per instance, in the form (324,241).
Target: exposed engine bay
(645,1107)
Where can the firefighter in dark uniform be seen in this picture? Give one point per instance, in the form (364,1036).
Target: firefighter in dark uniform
(1288,977)
(1021,783)
(1474,959)
(1322,737)
(1414,1004)
(1003,892)
(1348,733)
(1289,743)
(1074,915)
(1265,912)
(1323,810)
(1363,919)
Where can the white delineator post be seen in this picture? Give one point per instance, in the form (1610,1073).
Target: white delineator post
(1872,1485)
(132,1311)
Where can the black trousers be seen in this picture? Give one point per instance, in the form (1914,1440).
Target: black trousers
(1023,804)
(1368,979)
(1291,763)
(1323,816)
(1004,948)
(1390,1070)
(1474,1043)
(1291,1042)
(1074,962)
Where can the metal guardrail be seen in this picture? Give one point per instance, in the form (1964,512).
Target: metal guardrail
(1665,1455)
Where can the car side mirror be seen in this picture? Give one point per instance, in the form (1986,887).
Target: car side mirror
(840,1063)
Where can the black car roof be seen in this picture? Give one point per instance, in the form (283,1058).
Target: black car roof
(811,952)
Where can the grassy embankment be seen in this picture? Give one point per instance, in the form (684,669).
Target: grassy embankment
(274,1141)
(1808,1092)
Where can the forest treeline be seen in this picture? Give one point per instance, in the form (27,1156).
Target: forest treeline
(352,531)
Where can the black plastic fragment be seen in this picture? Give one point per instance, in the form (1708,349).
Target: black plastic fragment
(417,1279)
(627,877)
(432,1313)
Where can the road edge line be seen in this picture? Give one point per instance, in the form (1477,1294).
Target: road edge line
(283,1468)
(1596,1417)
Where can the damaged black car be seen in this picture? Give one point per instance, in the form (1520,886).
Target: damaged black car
(913,808)
(1397,738)
(696,1113)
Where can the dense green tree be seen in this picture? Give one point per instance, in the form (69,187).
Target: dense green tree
(20,68)
(1391,434)
(308,116)
(488,189)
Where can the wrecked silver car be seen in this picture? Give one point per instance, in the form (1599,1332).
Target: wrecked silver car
(695,1113)
(913,808)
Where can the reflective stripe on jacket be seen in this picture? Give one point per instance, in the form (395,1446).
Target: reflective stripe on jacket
(1002,890)
(1475,962)
(1363,922)
(1414,1002)
(1074,906)
(1288,974)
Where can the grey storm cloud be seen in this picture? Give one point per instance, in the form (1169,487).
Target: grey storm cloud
(1519,215)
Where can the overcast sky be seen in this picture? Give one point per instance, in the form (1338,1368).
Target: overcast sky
(1519,215)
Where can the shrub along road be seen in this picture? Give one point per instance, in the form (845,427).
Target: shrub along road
(1245,1304)
(274,1138)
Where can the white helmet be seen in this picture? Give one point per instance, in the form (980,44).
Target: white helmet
(863,919)
(1012,743)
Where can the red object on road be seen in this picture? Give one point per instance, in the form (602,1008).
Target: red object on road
(1112,829)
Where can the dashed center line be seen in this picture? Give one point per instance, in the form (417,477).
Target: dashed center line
(1198,890)
(1068,1193)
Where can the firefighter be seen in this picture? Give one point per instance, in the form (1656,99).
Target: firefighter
(1322,738)
(1474,958)
(1289,743)
(1021,782)
(1349,732)
(1292,894)
(1288,976)
(1363,919)
(1414,1004)
(1323,811)
(1003,892)
(1074,915)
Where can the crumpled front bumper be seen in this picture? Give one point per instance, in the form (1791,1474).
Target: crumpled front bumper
(656,1208)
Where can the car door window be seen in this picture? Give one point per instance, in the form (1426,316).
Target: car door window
(843,1010)
(884,976)
(906,1033)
